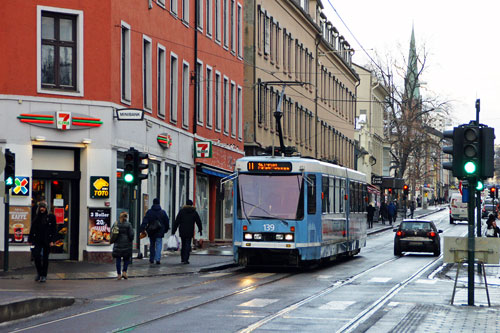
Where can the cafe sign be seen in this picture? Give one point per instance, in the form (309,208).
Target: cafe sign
(99,187)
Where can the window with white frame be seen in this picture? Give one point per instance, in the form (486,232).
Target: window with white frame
(233,25)
(209,99)
(217,20)
(199,92)
(240,31)
(267,35)
(174,87)
(125,64)
(147,73)
(218,104)
(233,109)
(185,11)
(173,6)
(199,14)
(185,94)
(161,81)
(225,23)
(60,46)
(225,88)
(240,113)
(209,22)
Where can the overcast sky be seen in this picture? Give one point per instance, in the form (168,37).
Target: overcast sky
(461,38)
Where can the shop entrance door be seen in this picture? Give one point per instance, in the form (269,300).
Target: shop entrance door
(57,194)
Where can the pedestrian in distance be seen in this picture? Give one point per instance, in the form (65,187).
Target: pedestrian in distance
(383,212)
(122,247)
(156,223)
(391,211)
(42,235)
(412,208)
(370,210)
(185,220)
(492,230)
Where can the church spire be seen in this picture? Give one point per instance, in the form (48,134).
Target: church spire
(412,85)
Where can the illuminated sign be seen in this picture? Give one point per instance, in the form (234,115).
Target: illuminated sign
(203,149)
(99,187)
(269,166)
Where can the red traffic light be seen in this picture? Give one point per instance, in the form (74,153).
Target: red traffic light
(405,187)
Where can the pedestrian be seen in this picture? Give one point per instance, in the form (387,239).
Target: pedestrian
(42,235)
(412,208)
(185,221)
(383,211)
(122,247)
(370,211)
(492,230)
(156,223)
(391,211)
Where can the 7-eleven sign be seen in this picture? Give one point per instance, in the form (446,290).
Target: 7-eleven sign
(203,149)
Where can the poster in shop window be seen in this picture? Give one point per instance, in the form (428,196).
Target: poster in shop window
(99,226)
(19,224)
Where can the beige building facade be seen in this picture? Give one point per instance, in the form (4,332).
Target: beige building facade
(292,49)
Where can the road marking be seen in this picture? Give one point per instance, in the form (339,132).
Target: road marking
(116,298)
(380,279)
(426,281)
(259,302)
(261,275)
(214,275)
(336,305)
(324,277)
(177,299)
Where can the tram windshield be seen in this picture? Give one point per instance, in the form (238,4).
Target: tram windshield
(270,197)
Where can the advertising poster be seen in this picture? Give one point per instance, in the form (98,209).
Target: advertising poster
(99,187)
(99,226)
(19,224)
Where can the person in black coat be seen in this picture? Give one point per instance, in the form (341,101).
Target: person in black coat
(370,212)
(122,247)
(492,230)
(42,235)
(185,220)
(156,239)
(383,211)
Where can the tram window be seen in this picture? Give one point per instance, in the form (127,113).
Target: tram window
(331,189)
(325,201)
(351,197)
(311,194)
(337,196)
(360,197)
(365,197)
(342,195)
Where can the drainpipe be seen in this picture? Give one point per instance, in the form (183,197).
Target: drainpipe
(318,40)
(196,74)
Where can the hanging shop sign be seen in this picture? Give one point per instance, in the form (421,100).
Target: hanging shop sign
(19,224)
(60,120)
(99,187)
(203,149)
(21,186)
(164,140)
(99,226)
(129,114)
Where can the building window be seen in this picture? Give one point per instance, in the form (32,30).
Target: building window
(185,94)
(218,103)
(226,105)
(125,64)
(169,204)
(209,105)
(173,6)
(267,35)
(225,19)
(240,113)
(233,109)
(185,11)
(146,73)
(174,87)
(161,81)
(209,17)
(233,26)
(199,14)
(217,20)
(199,92)
(60,68)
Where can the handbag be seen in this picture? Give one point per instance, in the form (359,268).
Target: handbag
(173,243)
(115,231)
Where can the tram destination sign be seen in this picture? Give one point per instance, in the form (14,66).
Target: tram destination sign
(269,166)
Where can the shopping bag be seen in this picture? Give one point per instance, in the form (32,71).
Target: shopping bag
(173,243)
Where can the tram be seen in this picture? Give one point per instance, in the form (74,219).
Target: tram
(294,211)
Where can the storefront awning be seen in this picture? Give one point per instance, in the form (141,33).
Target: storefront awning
(373,189)
(213,171)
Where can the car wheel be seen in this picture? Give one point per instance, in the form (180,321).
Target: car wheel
(397,250)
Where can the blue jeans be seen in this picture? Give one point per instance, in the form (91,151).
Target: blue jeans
(119,264)
(155,245)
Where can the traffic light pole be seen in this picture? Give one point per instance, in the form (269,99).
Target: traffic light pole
(6,232)
(471,240)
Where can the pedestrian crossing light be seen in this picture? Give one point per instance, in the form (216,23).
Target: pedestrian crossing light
(128,169)
(479,186)
(10,168)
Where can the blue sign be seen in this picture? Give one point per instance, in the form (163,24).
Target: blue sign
(465,195)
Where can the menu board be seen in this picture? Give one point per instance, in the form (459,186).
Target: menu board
(99,226)
(19,224)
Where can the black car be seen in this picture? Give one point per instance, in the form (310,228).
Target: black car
(417,236)
(488,209)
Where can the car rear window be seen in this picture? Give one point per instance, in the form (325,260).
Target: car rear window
(416,226)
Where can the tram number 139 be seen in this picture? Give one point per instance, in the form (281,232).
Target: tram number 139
(268,227)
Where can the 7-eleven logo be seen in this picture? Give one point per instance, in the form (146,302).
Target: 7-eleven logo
(203,149)
(63,120)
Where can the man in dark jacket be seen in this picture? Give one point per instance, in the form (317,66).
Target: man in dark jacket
(370,212)
(43,234)
(185,220)
(156,237)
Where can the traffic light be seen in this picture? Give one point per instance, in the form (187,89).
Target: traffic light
(10,169)
(140,164)
(493,192)
(389,190)
(455,165)
(471,151)
(487,152)
(479,185)
(128,168)
(405,189)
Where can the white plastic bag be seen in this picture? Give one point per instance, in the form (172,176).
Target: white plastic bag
(173,243)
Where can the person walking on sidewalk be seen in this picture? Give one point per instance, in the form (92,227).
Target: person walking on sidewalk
(492,230)
(391,210)
(42,235)
(122,247)
(412,208)
(156,223)
(370,210)
(185,220)
(383,211)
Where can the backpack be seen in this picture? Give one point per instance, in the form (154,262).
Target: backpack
(153,227)
(115,231)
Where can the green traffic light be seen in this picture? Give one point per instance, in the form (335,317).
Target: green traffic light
(470,167)
(128,178)
(480,186)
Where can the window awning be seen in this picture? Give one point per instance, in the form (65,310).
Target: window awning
(209,170)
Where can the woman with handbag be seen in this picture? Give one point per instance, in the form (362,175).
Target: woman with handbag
(122,244)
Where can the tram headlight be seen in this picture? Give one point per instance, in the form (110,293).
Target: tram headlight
(279,236)
(257,236)
(247,236)
(289,237)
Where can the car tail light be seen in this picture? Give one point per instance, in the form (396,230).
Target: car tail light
(399,233)
(431,234)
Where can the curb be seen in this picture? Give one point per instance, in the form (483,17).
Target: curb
(389,227)
(31,306)
(217,267)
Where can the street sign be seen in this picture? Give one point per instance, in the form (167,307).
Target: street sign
(376,180)
(129,114)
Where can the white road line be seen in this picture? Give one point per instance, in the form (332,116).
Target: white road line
(259,302)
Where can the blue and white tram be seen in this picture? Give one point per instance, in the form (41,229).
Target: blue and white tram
(290,211)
